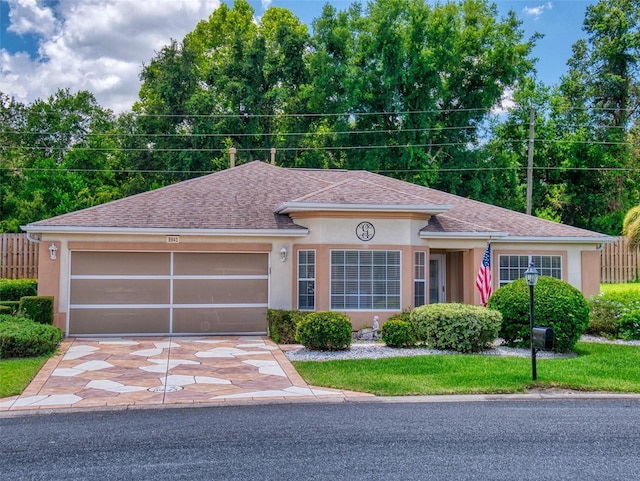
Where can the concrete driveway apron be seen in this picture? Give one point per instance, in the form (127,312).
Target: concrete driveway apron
(100,372)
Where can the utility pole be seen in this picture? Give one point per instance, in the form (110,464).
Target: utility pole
(532,123)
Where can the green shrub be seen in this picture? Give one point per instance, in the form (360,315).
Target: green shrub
(14,289)
(405,315)
(26,338)
(603,316)
(614,312)
(398,333)
(557,305)
(457,327)
(282,325)
(629,325)
(324,331)
(9,307)
(37,308)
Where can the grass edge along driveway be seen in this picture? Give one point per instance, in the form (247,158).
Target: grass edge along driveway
(597,367)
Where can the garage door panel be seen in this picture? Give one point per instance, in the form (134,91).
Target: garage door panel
(120,291)
(161,293)
(220,291)
(121,263)
(220,264)
(219,320)
(119,321)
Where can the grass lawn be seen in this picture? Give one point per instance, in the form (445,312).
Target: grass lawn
(598,367)
(16,374)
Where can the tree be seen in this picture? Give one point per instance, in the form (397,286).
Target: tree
(410,84)
(631,227)
(600,98)
(57,157)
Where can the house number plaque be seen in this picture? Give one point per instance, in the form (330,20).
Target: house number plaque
(365,231)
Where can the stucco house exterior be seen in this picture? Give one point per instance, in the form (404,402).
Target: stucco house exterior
(210,255)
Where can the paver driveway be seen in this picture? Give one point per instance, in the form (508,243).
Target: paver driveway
(137,371)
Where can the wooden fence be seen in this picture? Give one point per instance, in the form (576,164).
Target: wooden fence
(18,257)
(618,263)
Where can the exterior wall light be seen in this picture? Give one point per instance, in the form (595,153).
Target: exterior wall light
(283,254)
(53,250)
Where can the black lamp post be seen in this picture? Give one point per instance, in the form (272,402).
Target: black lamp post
(531,275)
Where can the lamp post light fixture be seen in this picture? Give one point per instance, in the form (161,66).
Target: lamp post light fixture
(531,275)
(283,254)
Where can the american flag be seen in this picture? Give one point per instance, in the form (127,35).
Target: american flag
(483,281)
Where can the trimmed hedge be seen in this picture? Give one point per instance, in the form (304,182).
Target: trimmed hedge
(9,307)
(456,327)
(557,304)
(26,338)
(282,325)
(324,331)
(14,289)
(37,308)
(398,333)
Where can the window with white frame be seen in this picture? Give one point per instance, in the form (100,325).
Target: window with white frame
(365,280)
(512,267)
(306,280)
(419,278)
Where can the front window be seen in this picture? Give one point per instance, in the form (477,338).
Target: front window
(306,280)
(365,280)
(419,279)
(513,267)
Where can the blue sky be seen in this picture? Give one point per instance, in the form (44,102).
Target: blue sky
(101,45)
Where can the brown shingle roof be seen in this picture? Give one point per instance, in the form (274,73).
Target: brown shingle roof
(245,197)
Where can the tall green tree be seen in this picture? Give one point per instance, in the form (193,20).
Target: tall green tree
(413,83)
(57,157)
(232,82)
(600,99)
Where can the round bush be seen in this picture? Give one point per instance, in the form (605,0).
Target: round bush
(324,331)
(457,327)
(26,338)
(557,305)
(397,333)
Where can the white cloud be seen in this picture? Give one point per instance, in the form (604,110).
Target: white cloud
(266,4)
(27,16)
(95,45)
(536,12)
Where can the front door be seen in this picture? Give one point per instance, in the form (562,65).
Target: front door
(437,278)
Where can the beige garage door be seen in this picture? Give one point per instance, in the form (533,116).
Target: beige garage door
(168,293)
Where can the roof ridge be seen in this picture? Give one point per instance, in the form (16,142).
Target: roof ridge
(332,185)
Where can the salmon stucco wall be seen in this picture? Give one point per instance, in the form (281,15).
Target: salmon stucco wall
(590,273)
(49,279)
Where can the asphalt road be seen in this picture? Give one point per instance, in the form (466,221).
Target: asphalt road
(503,440)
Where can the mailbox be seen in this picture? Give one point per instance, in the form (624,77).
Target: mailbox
(542,338)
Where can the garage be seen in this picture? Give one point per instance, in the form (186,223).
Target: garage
(160,293)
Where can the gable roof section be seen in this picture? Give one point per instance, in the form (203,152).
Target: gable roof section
(256,198)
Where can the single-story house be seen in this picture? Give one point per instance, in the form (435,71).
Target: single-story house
(211,254)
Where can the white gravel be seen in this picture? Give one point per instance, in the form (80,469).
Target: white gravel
(364,350)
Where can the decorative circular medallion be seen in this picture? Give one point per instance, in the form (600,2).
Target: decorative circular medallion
(165,389)
(365,231)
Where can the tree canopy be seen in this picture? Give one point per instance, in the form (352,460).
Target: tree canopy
(435,94)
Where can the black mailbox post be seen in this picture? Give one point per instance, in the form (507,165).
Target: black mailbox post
(542,338)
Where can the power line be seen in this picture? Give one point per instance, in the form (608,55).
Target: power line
(381,171)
